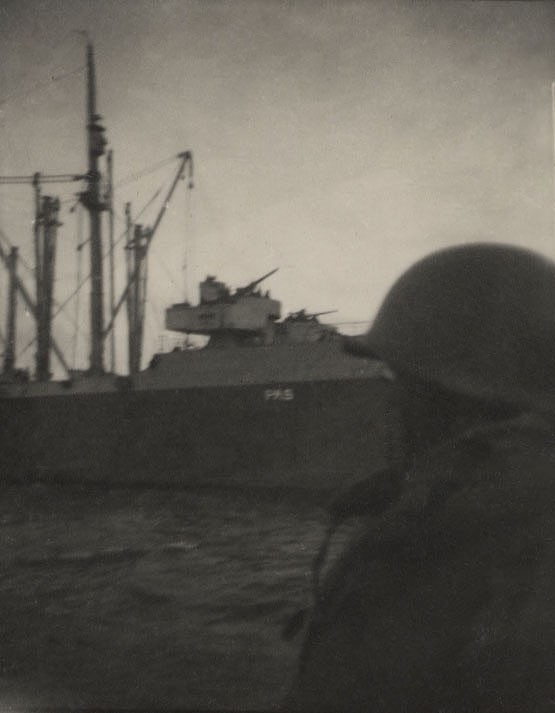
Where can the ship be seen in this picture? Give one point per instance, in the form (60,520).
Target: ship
(267,400)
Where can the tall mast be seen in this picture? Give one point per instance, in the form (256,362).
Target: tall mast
(9,353)
(46,253)
(130,297)
(110,201)
(39,275)
(91,199)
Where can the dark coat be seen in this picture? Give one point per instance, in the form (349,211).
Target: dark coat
(446,602)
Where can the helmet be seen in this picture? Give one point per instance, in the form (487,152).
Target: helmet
(477,319)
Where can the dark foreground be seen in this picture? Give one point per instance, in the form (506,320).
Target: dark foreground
(151,599)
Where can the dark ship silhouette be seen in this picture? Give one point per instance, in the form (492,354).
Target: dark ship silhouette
(267,401)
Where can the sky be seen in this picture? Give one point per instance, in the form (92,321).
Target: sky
(339,141)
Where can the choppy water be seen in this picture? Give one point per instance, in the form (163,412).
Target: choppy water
(154,599)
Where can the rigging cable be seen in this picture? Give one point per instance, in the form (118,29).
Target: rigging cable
(140,174)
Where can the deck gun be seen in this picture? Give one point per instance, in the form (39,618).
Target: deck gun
(247,290)
(301,315)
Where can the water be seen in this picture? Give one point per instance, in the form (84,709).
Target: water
(142,599)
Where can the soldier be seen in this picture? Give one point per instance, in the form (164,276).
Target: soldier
(445,602)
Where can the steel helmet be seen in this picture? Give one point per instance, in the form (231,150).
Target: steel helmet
(477,319)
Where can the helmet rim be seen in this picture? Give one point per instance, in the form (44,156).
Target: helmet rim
(477,319)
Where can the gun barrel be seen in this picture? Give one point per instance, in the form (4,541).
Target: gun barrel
(254,283)
(320,314)
(261,279)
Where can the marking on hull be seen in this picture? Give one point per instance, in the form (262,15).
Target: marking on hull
(279,394)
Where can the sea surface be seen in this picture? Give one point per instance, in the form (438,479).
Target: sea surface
(152,599)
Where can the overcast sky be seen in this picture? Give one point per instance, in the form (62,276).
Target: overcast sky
(339,141)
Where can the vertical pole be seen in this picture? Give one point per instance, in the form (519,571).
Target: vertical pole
(137,292)
(91,199)
(49,255)
(47,252)
(111,262)
(130,298)
(78,283)
(37,232)
(9,353)
(136,296)
(140,249)
(42,291)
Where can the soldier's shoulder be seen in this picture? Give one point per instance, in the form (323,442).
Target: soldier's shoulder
(483,489)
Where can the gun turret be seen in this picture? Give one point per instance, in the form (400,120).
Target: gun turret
(240,291)
(302,315)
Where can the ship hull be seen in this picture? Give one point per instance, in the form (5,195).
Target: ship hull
(319,434)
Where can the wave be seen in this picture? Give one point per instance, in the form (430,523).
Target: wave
(100,556)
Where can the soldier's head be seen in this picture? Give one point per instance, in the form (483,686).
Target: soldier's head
(473,325)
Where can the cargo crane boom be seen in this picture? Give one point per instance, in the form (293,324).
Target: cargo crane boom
(148,234)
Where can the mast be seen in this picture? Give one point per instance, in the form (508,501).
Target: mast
(39,291)
(136,296)
(93,203)
(110,200)
(9,353)
(37,246)
(44,233)
(139,294)
(45,268)
(130,298)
